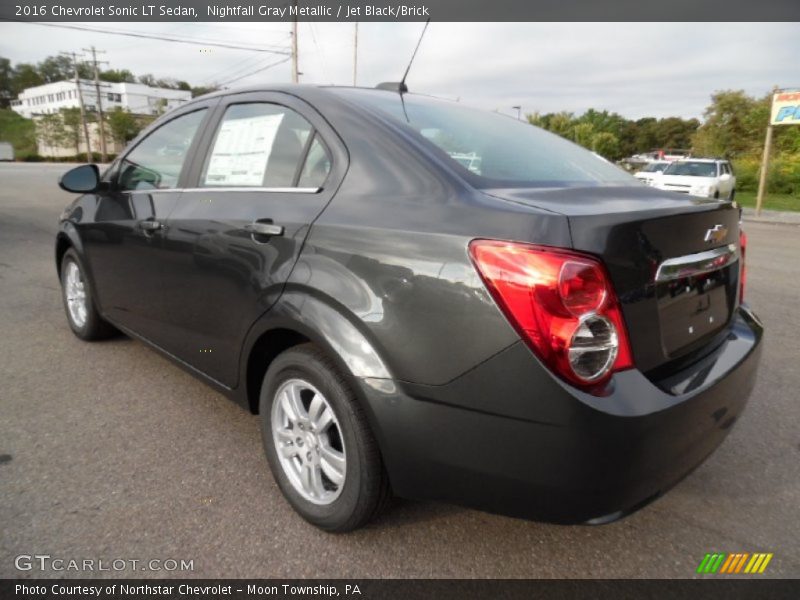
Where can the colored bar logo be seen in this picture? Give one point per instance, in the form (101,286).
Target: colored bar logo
(720,563)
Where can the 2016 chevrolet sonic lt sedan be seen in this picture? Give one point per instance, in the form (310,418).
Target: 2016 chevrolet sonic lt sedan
(422,299)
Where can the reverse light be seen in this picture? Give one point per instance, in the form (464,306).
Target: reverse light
(562,304)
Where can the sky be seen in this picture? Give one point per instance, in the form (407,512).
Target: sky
(635,69)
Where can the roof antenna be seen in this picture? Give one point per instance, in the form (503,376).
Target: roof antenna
(401,86)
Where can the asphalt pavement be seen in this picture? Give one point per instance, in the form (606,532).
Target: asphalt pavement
(108,451)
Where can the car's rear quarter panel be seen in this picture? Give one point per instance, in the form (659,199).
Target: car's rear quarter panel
(390,253)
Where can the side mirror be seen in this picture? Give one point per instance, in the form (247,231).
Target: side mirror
(725,177)
(81,180)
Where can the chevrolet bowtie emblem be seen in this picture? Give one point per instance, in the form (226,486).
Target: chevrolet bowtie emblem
(716,234)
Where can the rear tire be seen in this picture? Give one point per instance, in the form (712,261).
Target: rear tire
(318,442)
(76,293)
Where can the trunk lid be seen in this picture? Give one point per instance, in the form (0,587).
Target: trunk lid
(635,230)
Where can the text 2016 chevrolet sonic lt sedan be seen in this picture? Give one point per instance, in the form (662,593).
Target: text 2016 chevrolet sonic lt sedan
(421,298)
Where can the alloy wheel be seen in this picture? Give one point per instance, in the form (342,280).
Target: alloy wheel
(75,290)
(308,441)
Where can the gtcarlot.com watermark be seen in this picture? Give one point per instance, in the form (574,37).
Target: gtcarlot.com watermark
(46,562)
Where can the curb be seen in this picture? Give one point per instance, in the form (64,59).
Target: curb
(771,216)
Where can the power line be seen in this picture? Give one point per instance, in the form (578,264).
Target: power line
(320,53)
(244,65)
(275,64)
(160,38)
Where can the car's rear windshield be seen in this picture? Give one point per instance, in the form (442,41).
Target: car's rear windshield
(692,169)
(490,149)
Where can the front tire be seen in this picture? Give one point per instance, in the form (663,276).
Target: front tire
(319,445)
(82,315)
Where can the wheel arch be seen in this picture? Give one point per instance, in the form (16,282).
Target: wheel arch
(66,238)
(298,318)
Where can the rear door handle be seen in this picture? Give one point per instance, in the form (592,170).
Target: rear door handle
(150,226)
(259,228)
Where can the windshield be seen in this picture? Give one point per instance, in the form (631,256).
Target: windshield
(493,150)
(692,169)
(653,167)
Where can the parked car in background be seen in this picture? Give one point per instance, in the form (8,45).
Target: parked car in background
(6,151)
(420,298)
(650,171)
(706,177)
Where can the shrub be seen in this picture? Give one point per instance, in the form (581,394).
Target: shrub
(783,176)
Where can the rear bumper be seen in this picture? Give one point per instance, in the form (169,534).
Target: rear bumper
(509,438)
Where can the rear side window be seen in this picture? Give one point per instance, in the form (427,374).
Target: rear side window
(490,149)
(156,162)
(257,145)
(317,165)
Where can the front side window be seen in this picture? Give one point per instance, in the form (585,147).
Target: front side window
(493,150)
(156,162)
(257,145)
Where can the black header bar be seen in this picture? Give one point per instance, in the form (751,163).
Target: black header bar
(401,10)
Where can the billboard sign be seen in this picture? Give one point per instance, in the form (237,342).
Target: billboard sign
(786,108)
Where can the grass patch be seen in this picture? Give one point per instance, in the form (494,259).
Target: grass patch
(19,131)
(771,201)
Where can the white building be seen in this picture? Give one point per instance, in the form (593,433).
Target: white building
(135,97)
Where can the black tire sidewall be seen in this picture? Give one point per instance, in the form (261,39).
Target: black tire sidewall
(297,364)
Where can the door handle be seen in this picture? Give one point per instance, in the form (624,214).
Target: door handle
(150,226)
(259,228)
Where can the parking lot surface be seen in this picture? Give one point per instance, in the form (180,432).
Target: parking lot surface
(108,451)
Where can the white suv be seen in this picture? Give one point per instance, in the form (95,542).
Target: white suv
(709,177)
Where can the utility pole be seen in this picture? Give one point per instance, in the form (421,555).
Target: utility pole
(103,155)
(295,69)
(80,103)
(762,182)
(355,56)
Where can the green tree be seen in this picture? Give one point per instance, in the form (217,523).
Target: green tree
(19,131)
(606,144)
(73,129)
(583,133)
(118,76)
(50,131)
(200,90)
(730,128)
(674,132)
(559,123)
(56,68)
(6,78)
(122,125)
(147,79)
(645,135)
(25,75)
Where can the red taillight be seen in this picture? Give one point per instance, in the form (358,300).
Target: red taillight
(743,268)
(582,286)
(563,305)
